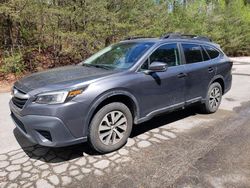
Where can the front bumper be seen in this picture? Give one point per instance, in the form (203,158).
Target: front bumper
(45,130)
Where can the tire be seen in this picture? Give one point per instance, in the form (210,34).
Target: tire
(213,99)
(110,127)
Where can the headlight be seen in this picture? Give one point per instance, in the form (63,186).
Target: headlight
(56,97)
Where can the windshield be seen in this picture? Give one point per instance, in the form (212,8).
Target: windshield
(118,56)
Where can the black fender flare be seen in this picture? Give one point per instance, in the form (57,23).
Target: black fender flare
(104,97)
(212,80)
(215,78)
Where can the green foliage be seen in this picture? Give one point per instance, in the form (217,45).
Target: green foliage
(12,64)
(81,27)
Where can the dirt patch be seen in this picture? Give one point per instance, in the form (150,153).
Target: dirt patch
(5,86)
(7,81)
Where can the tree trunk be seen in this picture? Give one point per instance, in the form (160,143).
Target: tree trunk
(9,25)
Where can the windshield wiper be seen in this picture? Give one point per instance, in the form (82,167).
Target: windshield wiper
(98,66)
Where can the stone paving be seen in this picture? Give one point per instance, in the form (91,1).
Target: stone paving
(38,166)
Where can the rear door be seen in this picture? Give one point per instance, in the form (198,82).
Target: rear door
(200,71)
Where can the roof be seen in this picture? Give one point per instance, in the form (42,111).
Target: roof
(175,37)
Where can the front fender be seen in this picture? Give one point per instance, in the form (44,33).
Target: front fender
(105,96)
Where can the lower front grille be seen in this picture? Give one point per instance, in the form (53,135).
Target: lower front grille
(46,134)
(18,122)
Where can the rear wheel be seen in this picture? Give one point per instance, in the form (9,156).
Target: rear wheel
(213,98)
(110,127)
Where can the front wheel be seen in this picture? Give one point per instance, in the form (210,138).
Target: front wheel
(110,127)
(213,98)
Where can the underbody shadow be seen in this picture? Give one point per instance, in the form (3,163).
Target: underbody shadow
(163,119)
(57,155)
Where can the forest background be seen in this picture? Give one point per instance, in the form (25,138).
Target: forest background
(39,34)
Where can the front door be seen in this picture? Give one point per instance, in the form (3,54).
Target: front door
(159,91)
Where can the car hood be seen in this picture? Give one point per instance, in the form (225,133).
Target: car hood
(66,76)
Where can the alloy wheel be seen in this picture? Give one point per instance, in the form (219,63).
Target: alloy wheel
(112,127)
(215,97)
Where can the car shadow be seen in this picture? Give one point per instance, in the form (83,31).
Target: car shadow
(57,155)
(163,119)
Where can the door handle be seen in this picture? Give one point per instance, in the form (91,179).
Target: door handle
(181,75)
(210,69)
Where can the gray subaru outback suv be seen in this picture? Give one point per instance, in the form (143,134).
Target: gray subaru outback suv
(127,83)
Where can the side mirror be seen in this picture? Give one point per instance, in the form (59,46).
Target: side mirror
(157,66)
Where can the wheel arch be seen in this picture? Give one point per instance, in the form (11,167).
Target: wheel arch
(124,97)
(220,80)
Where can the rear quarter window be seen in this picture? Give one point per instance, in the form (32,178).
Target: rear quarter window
(212,52)
(205,55)
(193,53)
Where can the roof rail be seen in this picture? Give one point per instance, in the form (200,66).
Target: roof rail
(135,37)
(185,36)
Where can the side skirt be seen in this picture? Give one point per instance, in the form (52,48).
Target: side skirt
(167,109)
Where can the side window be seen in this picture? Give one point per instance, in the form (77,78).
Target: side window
(167,53)
(205,55)
(213,53)
(192,53)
